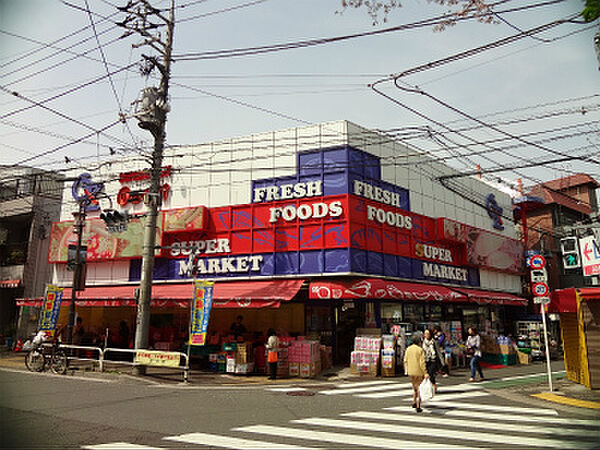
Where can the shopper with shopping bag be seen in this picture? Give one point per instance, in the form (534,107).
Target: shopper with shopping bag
(414,367)
(434,360)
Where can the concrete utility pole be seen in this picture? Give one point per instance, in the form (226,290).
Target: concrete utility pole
(152,116)
(78,227)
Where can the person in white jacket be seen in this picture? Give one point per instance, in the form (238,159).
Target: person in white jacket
(272,356)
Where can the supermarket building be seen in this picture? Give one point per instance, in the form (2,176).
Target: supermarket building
(316,231)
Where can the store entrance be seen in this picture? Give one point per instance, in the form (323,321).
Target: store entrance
(349,316)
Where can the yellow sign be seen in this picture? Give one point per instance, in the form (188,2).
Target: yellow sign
(157,358)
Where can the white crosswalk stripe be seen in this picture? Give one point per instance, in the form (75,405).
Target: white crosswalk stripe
(453,420)
(286,389)
(354,390)
(430,428)
(531,418)
(119,446)
(214,440)
(471,423)
(341,438)
(480,407)
(408,391)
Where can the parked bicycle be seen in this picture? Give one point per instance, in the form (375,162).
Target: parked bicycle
(40,356)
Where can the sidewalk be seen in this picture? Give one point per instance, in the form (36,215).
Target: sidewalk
(521,383)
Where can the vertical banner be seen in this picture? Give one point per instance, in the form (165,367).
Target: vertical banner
(203,292)
(50,309)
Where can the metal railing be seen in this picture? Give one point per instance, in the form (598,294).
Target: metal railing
(78,351)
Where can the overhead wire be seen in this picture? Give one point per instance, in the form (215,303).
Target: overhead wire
(320,41)
(112,84)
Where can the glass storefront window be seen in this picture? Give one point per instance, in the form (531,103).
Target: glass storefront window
(391,314)
(413,312)
(434,313)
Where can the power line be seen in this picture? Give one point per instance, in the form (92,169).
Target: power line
(312,42)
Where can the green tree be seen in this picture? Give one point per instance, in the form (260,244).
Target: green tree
(591,11)
(379,9)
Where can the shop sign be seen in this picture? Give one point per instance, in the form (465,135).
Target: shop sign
(157,358)
(202,303)
(590,255)
(439,271)
(220,266)
(320,210)
(84,191)
(432,252)
(493,251)
(391,218)
(127,196)
(50,309)
(494,211)
(376,193)
(288,191)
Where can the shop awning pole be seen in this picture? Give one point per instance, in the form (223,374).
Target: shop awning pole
(543,310)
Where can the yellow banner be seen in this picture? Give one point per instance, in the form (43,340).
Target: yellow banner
(157,358)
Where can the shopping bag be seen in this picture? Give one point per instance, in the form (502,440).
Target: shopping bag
(426,390)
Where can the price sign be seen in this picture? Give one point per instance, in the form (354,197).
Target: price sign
(540,289)
(537,262)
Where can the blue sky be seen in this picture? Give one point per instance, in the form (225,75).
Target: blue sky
(525,80)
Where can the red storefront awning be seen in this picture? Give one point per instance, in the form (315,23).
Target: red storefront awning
(235,294)
(383,290)
(493,298)
(565,300)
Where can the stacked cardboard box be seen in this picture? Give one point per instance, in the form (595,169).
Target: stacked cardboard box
(364,359)
(304,358)
(388,355)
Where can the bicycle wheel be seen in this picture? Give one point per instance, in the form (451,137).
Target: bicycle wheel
(34,360)
(59,362)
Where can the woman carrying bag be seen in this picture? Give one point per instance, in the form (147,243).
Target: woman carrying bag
(272,348)
(474,349)
(434,359)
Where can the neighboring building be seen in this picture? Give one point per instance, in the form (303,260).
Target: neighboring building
(317,231)
(569,206)
(30,201)
(564,227)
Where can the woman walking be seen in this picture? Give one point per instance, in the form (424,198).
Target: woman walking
(433,357)
(414,367)
(272,348)
(474,347)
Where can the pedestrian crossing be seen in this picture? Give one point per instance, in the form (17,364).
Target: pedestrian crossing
(382,389)
(460,419)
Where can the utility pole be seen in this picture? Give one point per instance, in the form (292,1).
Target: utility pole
(151,113)
(77,229)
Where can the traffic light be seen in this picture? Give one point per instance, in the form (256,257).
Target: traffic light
(115,221)
(570,253)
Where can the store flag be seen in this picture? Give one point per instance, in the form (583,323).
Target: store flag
(203,295)
(50,309)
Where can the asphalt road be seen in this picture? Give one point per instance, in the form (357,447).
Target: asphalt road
(48,411)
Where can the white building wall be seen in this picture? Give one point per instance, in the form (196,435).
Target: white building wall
(221,173)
